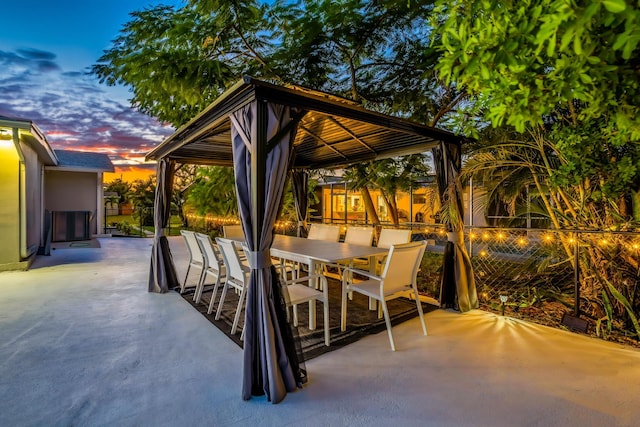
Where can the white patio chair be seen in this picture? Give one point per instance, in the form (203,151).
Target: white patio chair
(354,236)
(393,236)
(398,276)
(299,292)
(237,277)
(233,232)
(359,236)
(389,237)
(330,232)
(213,266)
(196,259)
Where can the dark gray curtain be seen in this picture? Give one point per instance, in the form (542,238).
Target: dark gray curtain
(261,156)
(448,162)
(162,273)
(299,185)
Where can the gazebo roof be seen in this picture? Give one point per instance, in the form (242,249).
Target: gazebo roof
(335,131)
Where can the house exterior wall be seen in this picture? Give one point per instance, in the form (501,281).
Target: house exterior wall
(33,195)
(21,213)
(72,191)
(420,205)
(10,206)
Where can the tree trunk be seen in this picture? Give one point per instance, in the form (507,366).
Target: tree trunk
(369,206)
(391,207)
(635,204)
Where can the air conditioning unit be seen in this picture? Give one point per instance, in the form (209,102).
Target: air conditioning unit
(71,225)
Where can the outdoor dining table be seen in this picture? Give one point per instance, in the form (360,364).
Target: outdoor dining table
(314,253)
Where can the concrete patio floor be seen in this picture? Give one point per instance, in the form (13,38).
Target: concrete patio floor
(82,342)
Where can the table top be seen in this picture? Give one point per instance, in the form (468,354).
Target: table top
(304,250)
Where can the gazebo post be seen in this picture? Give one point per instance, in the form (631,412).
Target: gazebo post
(262,136)
(162,272)
(457,271)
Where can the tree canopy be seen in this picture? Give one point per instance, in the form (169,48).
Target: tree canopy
(525,59)
(178,61)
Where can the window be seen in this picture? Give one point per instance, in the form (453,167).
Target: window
(419,199)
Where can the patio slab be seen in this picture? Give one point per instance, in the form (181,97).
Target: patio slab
(82,342)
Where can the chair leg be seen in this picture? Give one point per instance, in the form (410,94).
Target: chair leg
(419,304)
(184,284)
(325,305)
(383,303)
(200,286)
(236,318)
(222,297)
(343,311)
(214,293)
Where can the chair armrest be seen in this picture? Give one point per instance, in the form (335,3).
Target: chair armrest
(307,278)
(360,272)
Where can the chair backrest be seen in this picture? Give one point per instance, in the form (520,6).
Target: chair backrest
(212,256)
(359,236)
(233,231)
(393,236)
(195,254)
(401,268)
(235,269)
(329,232)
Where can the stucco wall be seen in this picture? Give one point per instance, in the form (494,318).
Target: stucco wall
(10,206)
(33,197)
(72,191)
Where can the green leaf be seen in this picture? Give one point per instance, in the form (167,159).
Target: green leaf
(627,305)
(551,47)
(586,78)
(577,45)
(614,6)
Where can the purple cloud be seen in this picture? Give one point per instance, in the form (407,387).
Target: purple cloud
(73,109)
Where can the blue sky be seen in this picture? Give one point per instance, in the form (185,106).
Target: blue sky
(46,49)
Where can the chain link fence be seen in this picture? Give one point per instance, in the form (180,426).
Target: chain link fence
(531,274)
(537,275)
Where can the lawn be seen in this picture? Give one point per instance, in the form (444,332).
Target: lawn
(131,226)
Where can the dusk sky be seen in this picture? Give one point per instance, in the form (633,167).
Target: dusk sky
(46,51)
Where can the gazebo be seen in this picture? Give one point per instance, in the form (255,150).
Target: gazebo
(263,131)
